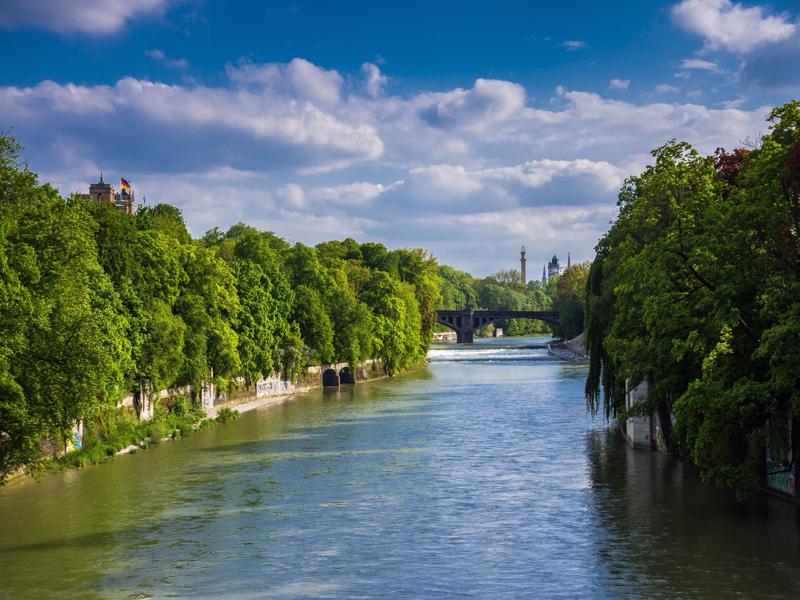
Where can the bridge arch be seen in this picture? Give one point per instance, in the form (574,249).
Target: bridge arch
(466,322)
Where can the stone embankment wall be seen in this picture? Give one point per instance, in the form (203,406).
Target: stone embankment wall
(782,470)
(643,431)
(570,351)
(142,402)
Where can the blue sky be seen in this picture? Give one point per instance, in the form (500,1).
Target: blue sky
(468,128)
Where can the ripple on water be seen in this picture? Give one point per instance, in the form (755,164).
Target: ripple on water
(481,477)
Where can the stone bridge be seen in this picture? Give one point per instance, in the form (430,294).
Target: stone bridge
(466,322)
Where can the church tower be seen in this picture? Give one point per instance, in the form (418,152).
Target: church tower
(522,262)
(554,267)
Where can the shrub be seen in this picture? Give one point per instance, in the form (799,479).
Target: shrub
(226,414)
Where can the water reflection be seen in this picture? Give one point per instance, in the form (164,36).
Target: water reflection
(481,476)
(661,532)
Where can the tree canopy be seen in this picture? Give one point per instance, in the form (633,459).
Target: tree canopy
(92,300)
(695,288)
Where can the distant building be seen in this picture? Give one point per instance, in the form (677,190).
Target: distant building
(104,193)
(522,262)
(553,267)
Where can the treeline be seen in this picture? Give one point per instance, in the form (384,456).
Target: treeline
(696,289)
(93,300)
(504,291)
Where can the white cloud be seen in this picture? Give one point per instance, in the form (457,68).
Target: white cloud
(99,17)
(537,173)
(487,102)
(358,193)
(619,84)
(437,181)
(299,78)
(572,45)
(730,25)
(738,103)
(374,80)
(292,149)
(291,195)
(665,88)
(700,64)
(221,121)
(173,63)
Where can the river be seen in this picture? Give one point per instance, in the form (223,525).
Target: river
(480,476)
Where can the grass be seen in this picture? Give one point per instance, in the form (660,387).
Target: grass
(177,419)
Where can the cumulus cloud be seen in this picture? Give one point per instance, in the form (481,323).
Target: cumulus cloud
(436,182)
(731,26)
(173,63)
(290,148)
(299,79)
(358,193)
(374,80)
(291,195)
(619,84)
(193,126)
(98,17)
(487,102)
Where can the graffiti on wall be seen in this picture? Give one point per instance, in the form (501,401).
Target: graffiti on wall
(780,454)
(780,478)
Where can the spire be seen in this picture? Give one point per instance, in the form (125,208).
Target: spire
(101,177)
(568,260)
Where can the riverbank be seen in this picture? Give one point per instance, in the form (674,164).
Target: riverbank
(572,350)
(483,472)
(248,405)
(173,417)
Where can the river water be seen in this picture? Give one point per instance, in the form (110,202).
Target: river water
(480,476)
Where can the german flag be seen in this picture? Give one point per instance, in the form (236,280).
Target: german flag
(123,183)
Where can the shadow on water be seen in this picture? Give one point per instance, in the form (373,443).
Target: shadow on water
(660,526)
(466,479)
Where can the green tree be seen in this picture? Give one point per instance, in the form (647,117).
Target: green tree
(695,289)
(315,325)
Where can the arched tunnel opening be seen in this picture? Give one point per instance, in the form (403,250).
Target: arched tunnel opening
(330,378)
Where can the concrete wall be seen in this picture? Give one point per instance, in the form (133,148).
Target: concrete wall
(142,402)
(782,468)
(642,432)
(638,430)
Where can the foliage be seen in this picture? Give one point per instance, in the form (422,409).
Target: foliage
(93,300)
(227,414)
(695,288)
(569,301)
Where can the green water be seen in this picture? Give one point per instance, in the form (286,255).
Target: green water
(481,476)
